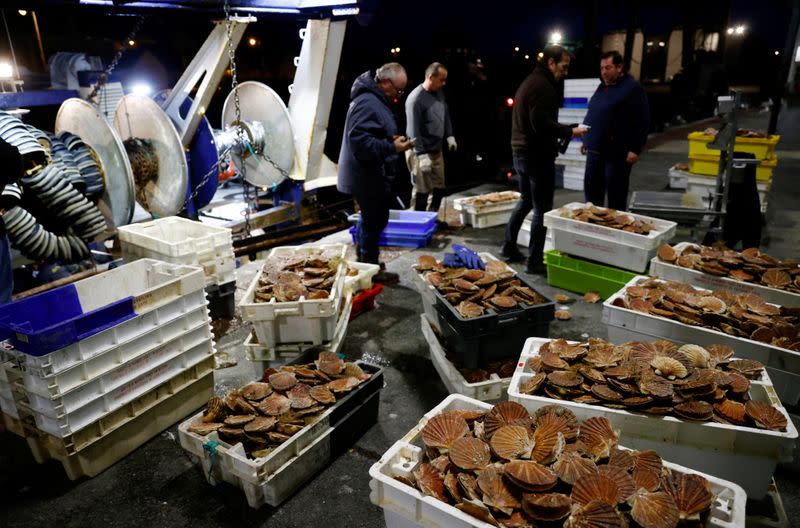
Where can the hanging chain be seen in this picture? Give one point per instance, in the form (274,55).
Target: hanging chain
(103,78)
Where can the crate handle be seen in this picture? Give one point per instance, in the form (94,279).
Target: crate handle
(287,311)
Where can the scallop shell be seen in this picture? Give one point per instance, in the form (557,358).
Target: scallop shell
(691,493)
(426,262)
(598,435)
(470,453)
(444,429)
(329,363)
(571,466)
(256,391)
(215,410)
(300,396)
(533,384)
(496,492)
(503,414)
(552,361)
(477,509)
(558,417)
(548,445)
(546,507)
(530,475)
(620,477)
(732,411)
(511,442)
(282,381)
(654,510)
(603,356)
(698,356)
(746,367)
(668,367)
(496,266)
(563,315)
(430,482)
(647,467)
(595,487)
(719,353)
(451,485)
(274,405)
(622,458)
(667,253)
(565,378)
(765,415)
(604,392)
(441,463)
(343,384)
(238,420)
(204,428)
(595,514)
(695,410)
(262,424)
(352,369)
(469,485)
(591,297)
(322,394)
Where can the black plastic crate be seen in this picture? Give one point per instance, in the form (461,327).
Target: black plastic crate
(495,335)
(221,302)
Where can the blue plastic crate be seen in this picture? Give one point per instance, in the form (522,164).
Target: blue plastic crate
(51,320)
(400,239)
(576,102)
(408,222)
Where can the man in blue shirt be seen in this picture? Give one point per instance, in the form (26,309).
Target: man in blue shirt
(619,119)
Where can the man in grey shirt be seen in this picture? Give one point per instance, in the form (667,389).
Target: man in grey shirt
(428,124)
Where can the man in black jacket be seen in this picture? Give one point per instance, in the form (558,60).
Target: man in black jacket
(535,136)
(619,119)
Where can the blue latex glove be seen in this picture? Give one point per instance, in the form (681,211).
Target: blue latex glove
(451,260)
(469,257)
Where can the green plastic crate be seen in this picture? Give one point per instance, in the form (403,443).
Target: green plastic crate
(581,276)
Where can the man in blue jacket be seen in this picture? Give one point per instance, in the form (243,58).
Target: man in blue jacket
(619,119)
(370,148)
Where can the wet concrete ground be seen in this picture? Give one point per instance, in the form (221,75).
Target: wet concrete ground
(161,485)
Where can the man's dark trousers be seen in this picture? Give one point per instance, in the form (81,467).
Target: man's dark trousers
(537,182)
(607,174)
(374,205)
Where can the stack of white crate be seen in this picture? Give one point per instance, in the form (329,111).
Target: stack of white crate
(105,385)
(577,93)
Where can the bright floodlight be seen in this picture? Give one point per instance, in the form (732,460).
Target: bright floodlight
(6,72)
(662,44)
(22,12)
(516,48)
(777,52)
(252,41)
(527,56)
(555,37)
(730,31)
(142,89)
(740,30)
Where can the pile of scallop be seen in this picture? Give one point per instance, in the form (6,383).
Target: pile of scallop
(750,265)
(745,315)
(607,218)
(304,275)
(491,198)
(659,378)
(474,292)
(264,414)
(511,469)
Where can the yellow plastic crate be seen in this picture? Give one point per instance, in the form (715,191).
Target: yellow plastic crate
(762,148)
(709,166)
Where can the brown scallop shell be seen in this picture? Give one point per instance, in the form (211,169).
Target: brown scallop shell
(695,410)
(470,453)
(451,485)
(765,415)
(256,391)
(512,442)
(215,410)
(502,414)
(563,315)
(595,514)
(654,510)
(622,458)
(322,394)
(238,420)
(282,381)
(558,418)
(468,309)
(426,262)
(731,411)
(496,266)
(746,367)
(530,475)
(532,385)
(599,436)
(697,355)
(606,393)
(647,466)
(776,278)
(477,509)
(343,384)
(656,388)
(620,477)
(691,493)
(592,374)
(261,424)
(329,363)
(668,367)
(469,485)
(739,384)
(464,286)
(204,428)
(565,378)
(666,253)
(300,396)
(719,353)
(595,487)
(548,444)
(441,463)
(274,405)
(591,297)
(429,481)
(473,275)
(604,356)
(503,302)
(496,492)
(547,506)
(571,466)
(552,361)
(444,429)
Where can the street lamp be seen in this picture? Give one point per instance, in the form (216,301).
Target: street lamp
(555,37)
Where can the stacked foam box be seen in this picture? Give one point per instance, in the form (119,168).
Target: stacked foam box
(93,370)
(577,93)
(182,241)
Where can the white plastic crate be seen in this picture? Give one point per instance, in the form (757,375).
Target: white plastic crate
(703,185)
(362,281)
(66,423)
(405,506)
(161,292)
(572,115)
(486,215)
(263,357)
(744,455)
(573,178)
(492,389)
(678,179)
(665,270)
(299,321)
(629,325)
(156,337)
(9,407)
(427,291)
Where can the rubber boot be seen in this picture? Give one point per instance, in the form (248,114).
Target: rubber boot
(421,201)
(436,201)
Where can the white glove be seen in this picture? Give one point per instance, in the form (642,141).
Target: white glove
(425,164)
(451,143)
